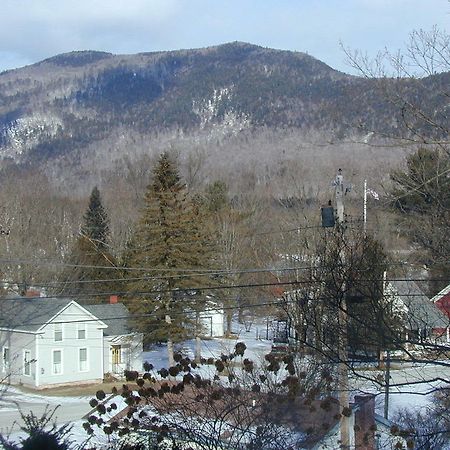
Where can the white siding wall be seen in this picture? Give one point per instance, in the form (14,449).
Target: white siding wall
(131,353)
(213,323)
(107,363)
(41,347)
(17,343)
(70,350)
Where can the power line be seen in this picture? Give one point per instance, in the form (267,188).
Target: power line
(195,289)
(183,275)
(291,230)
(175,313)
(200,272)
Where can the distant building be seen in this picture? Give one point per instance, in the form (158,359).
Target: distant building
(213,320)
(422,319)
(442,301)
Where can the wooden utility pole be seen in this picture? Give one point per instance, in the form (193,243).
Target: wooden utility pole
(387,376)
(339,195)
(365,207)
(344,404)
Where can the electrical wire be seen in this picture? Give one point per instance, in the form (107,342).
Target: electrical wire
(50,284)
(284,301)
(129,293)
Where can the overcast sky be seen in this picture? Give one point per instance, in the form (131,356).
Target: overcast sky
(33,30)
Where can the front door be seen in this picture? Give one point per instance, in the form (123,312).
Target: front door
(116,360)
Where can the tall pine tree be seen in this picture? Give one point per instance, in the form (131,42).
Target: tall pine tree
(96,227)
(91,273)
(170,243)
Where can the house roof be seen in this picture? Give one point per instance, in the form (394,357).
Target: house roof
(29,314)
(422,312)
(381,423)
(116,316)
(445,292)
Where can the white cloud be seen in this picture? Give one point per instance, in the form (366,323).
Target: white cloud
(34,29)
(39,28)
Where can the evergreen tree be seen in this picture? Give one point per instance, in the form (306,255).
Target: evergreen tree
(92,266)
(421,195)
(170,243)
(95,226)
(217,196)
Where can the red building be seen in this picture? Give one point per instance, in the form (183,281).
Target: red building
(442,300)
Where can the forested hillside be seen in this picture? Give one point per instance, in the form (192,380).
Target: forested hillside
(73,101)
(271,126)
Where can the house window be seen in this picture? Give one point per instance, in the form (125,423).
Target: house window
(5,359)
(81,331)
(27,362)
(83,360)
(57,362)
(58,332)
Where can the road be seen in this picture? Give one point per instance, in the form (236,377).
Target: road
(414,383)
(13,401)
(414,374)
(70,409)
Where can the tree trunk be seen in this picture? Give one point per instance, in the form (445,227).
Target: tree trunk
(198,342)
(198,349)
(229,319)
(170,343)
(241,314)
(380,358)
(170,352)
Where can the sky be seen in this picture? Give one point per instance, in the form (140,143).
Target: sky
(33,30)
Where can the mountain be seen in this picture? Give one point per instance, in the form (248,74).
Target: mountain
(71,103)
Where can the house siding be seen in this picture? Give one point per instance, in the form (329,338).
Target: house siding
(17,343)
(444,304)
(70,347)
(131,347)
(213,323)
(74,339)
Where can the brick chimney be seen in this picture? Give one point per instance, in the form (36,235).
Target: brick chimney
(30,293)
(113,299)
(365,422)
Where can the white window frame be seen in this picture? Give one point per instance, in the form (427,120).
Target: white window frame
(60,350)
(58,328)
(86,368)
(82,327)
(5,361)
(26,363)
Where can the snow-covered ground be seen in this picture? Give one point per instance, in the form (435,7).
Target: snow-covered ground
(214,348)
(71,409)
(15,402)
(410,397)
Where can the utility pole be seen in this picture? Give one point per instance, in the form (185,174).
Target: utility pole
(339,195)
(365,207)
(387,369)
(387,376)
(344,404)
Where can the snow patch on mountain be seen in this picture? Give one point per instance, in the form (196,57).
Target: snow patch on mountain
(23,133)
(216,114)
